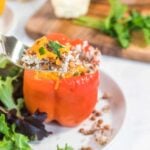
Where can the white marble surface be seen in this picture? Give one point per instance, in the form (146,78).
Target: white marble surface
(133,78)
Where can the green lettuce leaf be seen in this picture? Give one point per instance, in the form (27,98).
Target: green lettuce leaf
(3,126)
(3,61)
(8,75)
(6,91)
(12,140)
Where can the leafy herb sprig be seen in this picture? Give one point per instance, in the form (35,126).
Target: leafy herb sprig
(120,23)
(67,147)
(55,46)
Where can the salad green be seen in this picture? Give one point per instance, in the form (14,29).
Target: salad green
(6,94)
(10,138)
(17,125)
(6,85)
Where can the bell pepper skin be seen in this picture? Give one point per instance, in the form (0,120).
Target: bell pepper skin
(71,102)
(58,37)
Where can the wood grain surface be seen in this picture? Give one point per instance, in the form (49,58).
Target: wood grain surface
(44,22)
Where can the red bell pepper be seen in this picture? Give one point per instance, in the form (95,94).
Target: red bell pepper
(70,103)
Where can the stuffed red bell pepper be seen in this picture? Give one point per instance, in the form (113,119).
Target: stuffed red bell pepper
(65,81)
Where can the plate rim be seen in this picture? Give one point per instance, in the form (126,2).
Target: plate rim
(114,137)
(107,146)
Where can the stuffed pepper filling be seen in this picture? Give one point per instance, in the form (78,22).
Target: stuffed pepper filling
(66,59)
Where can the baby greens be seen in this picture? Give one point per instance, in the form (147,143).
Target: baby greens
(6,94)
(6,85)
(13,112)
(11,140)
(30,125)
(120,23)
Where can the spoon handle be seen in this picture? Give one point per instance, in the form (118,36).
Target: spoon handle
(2,47)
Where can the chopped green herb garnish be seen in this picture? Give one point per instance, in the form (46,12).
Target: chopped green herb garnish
(42,51)
(119,25)
(55,46)
(65,148)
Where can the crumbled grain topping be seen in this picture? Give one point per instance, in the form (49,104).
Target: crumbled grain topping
(70,60)
(86,148)
(100,131)
(106,95)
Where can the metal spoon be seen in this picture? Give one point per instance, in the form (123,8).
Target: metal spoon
(11,47)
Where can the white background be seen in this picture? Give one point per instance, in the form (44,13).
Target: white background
(133,78)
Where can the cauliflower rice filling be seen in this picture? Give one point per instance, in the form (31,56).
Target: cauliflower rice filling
(67,60)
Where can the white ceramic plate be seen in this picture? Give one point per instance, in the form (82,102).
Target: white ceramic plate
(7,21)
(71,136)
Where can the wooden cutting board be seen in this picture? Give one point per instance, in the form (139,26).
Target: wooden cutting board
(44,22)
